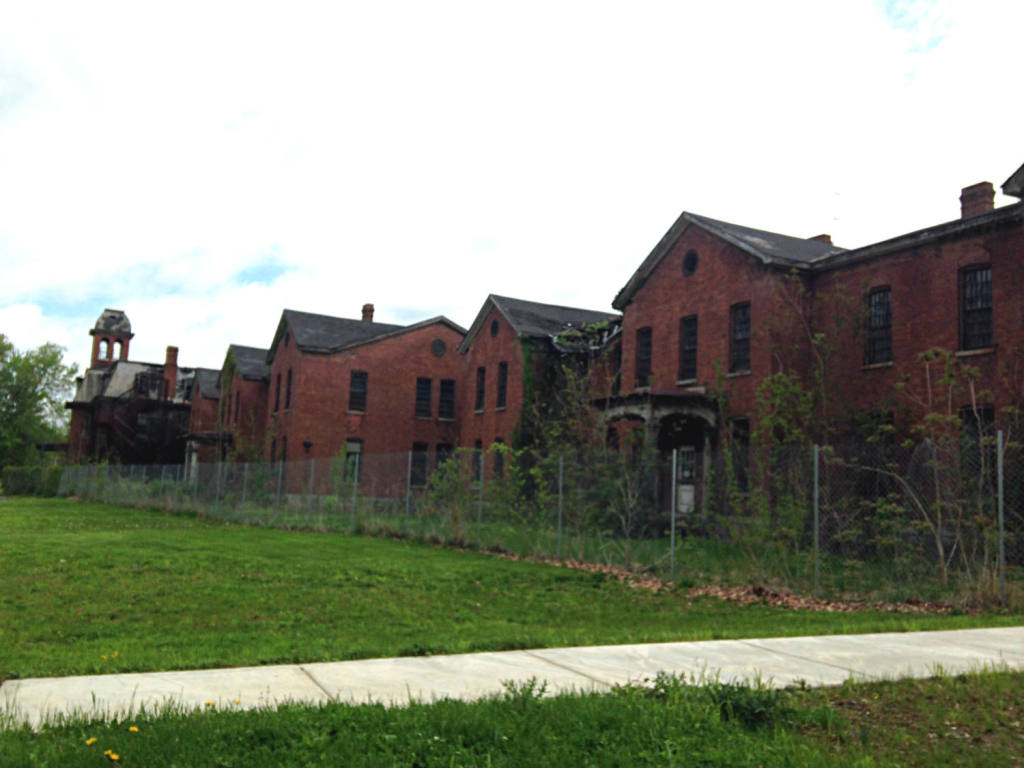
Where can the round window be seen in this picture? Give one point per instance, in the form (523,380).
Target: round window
(494,328)
(690,263)
(438,347)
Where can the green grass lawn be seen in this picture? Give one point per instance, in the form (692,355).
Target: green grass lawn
(970,720)
(89,588)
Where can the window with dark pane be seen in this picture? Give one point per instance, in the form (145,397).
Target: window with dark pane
(688,348)
(446,402)
(288,391)
(502,384)
(740,433)
(739,337)
(878,343)
(357,391)
(481,375)
(238,402)
(418,471)
(478,460)
(976,308)
(444,451)
(424,390)
(353,460)
(643,357)
(277,394)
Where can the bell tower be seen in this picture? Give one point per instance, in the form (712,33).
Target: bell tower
(110,338)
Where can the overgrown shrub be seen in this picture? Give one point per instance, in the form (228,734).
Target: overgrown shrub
(32,481)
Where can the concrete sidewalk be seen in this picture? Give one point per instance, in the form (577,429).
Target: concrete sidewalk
(819,660)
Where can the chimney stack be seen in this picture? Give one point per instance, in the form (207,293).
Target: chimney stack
(367,313)
(170,373)
(827,239)
(977,198)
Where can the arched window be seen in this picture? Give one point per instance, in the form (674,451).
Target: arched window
(118,347)
(104,350)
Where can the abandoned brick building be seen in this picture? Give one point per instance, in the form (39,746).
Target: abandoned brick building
(712,312)
(125,410)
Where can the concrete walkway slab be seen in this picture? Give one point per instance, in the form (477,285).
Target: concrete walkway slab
(819,660)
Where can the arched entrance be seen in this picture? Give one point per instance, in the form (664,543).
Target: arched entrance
(690,436)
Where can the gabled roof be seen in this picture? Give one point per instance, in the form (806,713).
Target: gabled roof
(770,248)
(324,334)
(250,362)
(208,383)
(1014,186)
(533,319)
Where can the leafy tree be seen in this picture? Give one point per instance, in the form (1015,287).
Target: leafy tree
(33,388)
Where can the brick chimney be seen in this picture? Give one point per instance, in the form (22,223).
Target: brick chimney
(170,372)
(977,198)
(367,313)
(827,239)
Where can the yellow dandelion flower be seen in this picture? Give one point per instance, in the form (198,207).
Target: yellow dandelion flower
(209,703)
(114,655)
(90,741)
(114,756)
(238,701)
(107,752)
(103,656)
(133,728)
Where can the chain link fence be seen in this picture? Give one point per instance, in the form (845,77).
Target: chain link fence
(854,522)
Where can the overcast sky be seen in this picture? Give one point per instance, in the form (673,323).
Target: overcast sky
(203,166)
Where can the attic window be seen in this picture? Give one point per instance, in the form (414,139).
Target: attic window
(287,338)
(494,328)
(690,263)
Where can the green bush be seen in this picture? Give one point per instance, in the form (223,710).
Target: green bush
(32,481)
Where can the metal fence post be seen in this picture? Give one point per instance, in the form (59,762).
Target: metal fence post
(177,484)
(1002,529)
(355,488)
(163,479)
(560,492)
(408,492)
(280,479)
(817,532)
(675,501)
(309,500)
(480,504)
(245,482)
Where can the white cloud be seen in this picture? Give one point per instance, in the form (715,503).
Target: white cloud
(423,155)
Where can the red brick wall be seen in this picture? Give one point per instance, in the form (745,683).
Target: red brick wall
(724,276)
(320,395)
(488,351)
(247,421)
(924,284)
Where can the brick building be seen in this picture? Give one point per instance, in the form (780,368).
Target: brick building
(125,410)
(352,388)
(512,352)
(716,308)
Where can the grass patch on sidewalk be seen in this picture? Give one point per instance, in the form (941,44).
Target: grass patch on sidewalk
(970,720)
(92,589)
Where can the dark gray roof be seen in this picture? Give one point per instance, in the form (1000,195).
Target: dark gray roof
(1014,186)
(250,362)
(770,248)
(112,321)
(322,333)
(208,383)
(531,318)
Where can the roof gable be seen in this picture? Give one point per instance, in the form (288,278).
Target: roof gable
(770,248)
(533,319)
(324,334)
(1014,186)
(250,362)
(208,383)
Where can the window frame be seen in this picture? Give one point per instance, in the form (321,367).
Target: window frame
(481,388)
(644,355)
(446,399)
(878,338)
(739,346)
(967,341)
(501,401)
(687,354)
(424,397)
(357,396)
